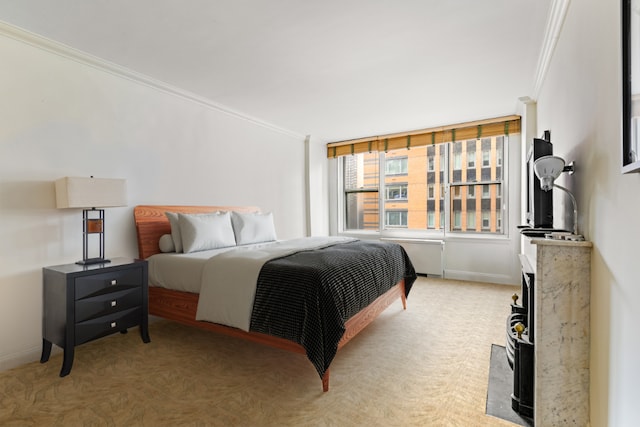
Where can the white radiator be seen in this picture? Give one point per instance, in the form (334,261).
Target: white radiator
(426,255)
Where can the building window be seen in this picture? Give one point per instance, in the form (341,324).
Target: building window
(486,158)
(396,219)
(471,154)
(430,163)
(431,219)
(486,191)
(471,220)
(457,220)
(457,160)
(486,220)
(471,192)
(396,192)
(431,191)
(396,166)
(456,192)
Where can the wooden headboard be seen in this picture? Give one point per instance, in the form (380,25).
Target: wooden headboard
(152,223)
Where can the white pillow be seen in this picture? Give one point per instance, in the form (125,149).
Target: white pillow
(253,227)
(209,231)
(166,243)
(175,230)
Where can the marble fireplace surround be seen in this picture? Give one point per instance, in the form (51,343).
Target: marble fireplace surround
(562,305)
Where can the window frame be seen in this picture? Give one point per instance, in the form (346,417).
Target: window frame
(445,227)
(403,218)
(401,185)
(404,169)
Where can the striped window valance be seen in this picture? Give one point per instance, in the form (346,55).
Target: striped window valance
(418,138)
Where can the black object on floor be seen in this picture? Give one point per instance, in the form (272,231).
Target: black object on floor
(501,387)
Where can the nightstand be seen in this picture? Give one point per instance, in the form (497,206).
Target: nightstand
(84,302)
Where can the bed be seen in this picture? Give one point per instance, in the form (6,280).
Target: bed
(332,326)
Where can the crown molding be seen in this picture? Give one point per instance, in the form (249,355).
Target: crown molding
(557,15)
(84,58)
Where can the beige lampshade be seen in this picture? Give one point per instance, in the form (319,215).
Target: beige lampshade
(91,192)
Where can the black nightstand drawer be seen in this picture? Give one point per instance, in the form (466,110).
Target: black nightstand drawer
(104,304)
(105,325)
(107,282)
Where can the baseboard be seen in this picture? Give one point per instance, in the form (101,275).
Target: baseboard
(22,358)
(473,276)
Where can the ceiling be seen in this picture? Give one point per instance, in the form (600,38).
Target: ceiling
(332,69)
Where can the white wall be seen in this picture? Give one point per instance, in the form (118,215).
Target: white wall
(580,102)
(61,117)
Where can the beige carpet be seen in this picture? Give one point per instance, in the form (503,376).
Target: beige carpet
(426,366)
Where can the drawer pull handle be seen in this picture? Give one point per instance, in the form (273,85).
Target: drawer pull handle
(114,282)
(114,303)
(113,324)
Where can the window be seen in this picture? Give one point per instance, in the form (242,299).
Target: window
(397,192)
(396,218)
(456,192)
(486,158)
(457,160)
(381,191)
(360,182)
(397,166)
(486,220)
(471,220)
(486,191)
(457,220)
(471,154)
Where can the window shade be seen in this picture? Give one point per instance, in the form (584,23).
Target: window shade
(418,138)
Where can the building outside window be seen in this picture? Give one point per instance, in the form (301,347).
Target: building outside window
(486,158)
(396,191)
(457,220)
(396,218)
(486,218)
(471,220)
(396,166)
(407,187)
(431,191)
(471,158)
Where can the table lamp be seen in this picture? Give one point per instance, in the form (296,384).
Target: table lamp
(90,194)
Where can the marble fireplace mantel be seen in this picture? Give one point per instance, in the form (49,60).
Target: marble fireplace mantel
(562,305)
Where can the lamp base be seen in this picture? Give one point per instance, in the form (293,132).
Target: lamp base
(90,261)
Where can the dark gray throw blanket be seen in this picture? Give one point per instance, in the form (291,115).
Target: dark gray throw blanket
(307,297)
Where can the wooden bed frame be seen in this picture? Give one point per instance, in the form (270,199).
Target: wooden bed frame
(151,223)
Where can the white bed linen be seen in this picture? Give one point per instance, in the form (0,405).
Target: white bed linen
(229,279)
(179,271)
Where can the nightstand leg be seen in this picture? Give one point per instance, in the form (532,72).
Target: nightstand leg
(46,350)
(67,361)
(144,333)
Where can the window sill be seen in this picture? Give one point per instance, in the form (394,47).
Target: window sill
(422,235)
